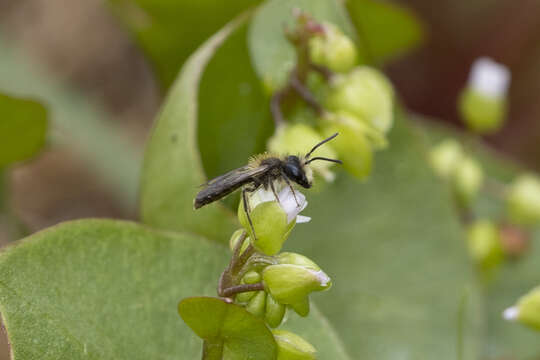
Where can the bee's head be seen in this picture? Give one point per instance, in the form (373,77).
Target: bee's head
(295,170)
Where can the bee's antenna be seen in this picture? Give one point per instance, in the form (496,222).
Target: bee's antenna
(326,159)
(319,144)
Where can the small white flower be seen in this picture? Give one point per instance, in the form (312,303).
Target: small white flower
(489,78)
(511,314)
(287,202)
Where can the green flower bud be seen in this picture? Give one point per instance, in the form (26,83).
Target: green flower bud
(301,307)
(291,284)
(251,277)
(524,200)
(352,145)
(483,103)
(468,180)
(235,237)
(257,304)
(295,139)
(272,220)
(332,49)
(292,346)
(482,114)
(445,158)
(275,312)
(244,297)
(485,244)
(297,259)
(527,310)
(366,94)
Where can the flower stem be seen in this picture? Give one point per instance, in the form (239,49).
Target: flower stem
(237,289)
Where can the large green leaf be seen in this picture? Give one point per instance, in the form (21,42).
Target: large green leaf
(104,289)
(170,30)
(23,125)
(395,250)
(172,170)
(385,29)
(273,57)
(231,102)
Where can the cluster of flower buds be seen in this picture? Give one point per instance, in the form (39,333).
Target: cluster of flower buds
(288,278)
(355,101)
(483,103)
(463,172)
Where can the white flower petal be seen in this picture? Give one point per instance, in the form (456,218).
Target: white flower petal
(489,78)
(511,313)
(322,277)
(302,219)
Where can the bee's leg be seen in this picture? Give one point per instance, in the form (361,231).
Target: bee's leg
(247,209)
(292,189)
(274,191)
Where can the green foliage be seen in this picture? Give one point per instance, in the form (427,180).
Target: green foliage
(244,335)
(271,53)
(170,30)
(385,29)
(23,126)
(166,201)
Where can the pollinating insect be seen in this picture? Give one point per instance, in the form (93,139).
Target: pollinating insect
(262,170)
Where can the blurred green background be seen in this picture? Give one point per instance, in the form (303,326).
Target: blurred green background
(102,91)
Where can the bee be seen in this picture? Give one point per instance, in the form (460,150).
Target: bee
(263,170)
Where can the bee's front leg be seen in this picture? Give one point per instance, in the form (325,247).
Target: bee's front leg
(292,189)
(247,208)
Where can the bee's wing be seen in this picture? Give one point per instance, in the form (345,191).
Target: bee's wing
(223,185)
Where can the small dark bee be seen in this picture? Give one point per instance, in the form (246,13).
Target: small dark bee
(262,170)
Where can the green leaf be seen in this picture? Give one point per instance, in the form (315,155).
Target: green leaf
(273,57)
(244,335)
(23,127)
(170,30)
(403,283)
(172,170)
(231,104)
(385,29)
(106,289)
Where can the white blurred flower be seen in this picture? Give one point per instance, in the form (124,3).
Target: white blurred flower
(489,78)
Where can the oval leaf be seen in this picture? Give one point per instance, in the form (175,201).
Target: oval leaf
(172,171)
(109,290)
(244,335)
(22,129)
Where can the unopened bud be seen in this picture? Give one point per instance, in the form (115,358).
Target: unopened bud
(275,312)
(527,310)
(257,304)
(352,145)
(524,200)
(485,244)
(331,48)
(483,104)
(292,346)
(468,180)
(291,284)
(365,93)
(445,158)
